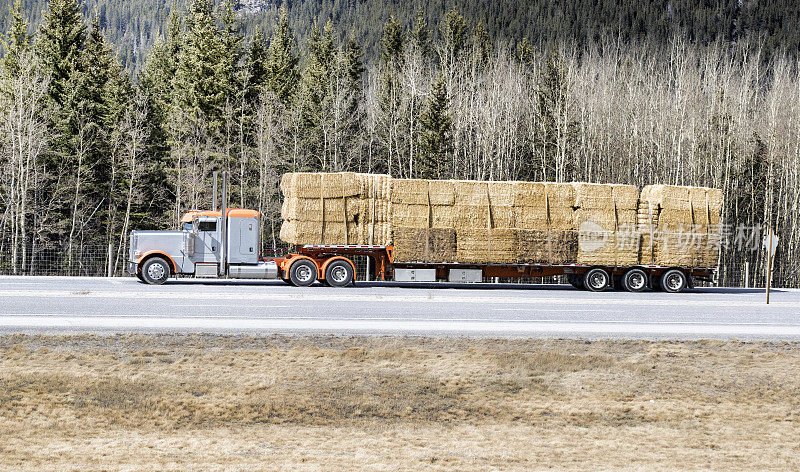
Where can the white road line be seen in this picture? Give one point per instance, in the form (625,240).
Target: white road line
(382,325)
(567,310)
(300,295)
(228,305)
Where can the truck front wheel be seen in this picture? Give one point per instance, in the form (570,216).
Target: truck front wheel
(303,273)
(155,271)
(339,273)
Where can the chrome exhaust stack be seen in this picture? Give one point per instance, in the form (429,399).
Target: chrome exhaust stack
(223,245)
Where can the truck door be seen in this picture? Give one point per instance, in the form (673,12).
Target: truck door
(207,244)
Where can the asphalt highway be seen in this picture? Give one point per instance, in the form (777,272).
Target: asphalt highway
(79,304)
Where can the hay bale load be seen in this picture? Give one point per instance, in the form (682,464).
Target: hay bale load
(422,220)
(335,208)
(477,222)
(680,225)
(605,218)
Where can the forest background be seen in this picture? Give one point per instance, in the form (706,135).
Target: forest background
(114,115)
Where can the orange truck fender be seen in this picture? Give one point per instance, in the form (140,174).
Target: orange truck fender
(337,258)
(173,266)
(286,263)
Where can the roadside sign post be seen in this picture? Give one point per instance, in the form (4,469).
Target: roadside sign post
(770,244)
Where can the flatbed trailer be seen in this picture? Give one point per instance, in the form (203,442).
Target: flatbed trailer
(590,277)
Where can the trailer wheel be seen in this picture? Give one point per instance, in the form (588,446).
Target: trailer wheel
(596,280)
(155,271)
(576,281)
(673,281)
(339,273)
(303,273)
(635,280)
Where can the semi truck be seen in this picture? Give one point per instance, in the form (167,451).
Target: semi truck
(224,243)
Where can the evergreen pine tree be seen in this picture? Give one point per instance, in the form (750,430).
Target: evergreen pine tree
(554,131)
(59,44)
(199,90)
(392,47)
(392,43)
(156,84)
(232,46)
(436,136)
(420,35)
(481,47)
(104,98)
(317,95)
(281,67)
(454,35)
(256,65)
(17,41)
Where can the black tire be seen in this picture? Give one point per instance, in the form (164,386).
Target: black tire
(673,281)
(155,271)
(596,280)
(339,273)
(139,276)
(635,280)
(287,281)
(303,273)
(576,281)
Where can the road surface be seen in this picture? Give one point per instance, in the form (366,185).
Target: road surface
(79,304)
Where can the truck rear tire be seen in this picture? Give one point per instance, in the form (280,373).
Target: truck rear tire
(303,273)
(339,273)
(596,280)
(673,281)
(155,271)
(635,280)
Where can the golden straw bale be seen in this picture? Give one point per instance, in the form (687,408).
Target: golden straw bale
(503,216)
(530,194)
(441,192)
(560,195)
(422,192)
(480,245)
(311,209)
(471,192)
(422,216)
(424,245)
(307,232)
(502,193)
(547,247)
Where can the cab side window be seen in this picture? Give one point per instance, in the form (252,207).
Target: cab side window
(207,226)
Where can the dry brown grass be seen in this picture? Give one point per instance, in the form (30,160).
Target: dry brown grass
(185,402)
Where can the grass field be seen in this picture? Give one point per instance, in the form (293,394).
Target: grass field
(185,402)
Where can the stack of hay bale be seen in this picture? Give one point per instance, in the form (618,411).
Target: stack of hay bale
(680,225)
(605,218)
(422,219)
(544,216)
(335,208)
(476,222)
